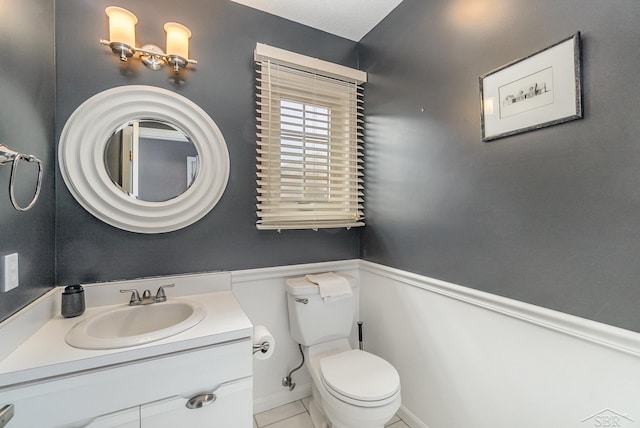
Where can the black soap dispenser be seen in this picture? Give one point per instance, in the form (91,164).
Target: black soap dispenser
(73,301)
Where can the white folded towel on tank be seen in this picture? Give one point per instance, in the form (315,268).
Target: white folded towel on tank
(331,286)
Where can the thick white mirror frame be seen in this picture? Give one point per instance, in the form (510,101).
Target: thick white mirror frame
(81,157)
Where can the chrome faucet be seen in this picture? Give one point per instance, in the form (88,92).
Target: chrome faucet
(146,298)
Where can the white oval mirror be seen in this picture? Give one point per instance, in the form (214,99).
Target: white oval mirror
(114,155)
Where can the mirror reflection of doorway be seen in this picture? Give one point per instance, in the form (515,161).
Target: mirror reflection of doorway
(192,169)
(149,160)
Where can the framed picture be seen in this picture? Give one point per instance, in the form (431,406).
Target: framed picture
(534,92)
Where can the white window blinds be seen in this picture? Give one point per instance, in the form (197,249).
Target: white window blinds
(310,135)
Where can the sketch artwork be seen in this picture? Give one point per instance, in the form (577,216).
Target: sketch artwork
(537,91)
(526,94)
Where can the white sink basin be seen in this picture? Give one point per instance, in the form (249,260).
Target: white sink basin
(135,325)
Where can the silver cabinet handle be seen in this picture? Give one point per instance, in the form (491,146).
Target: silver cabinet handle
(206,398)
(200,400)
(6,413)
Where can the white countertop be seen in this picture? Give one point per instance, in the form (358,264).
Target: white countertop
(45,354)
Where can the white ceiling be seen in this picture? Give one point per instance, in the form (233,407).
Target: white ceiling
(351,19)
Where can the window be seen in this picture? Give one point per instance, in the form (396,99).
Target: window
(310,132)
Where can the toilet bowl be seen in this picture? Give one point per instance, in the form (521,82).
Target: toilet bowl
(351,388)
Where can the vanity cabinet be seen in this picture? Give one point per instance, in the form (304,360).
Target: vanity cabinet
(128,418)
(150,392)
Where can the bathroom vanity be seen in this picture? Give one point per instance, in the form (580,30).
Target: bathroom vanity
(201,377)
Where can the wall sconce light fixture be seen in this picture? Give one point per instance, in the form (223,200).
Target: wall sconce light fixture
(122,35)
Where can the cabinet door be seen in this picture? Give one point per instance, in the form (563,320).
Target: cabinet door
(128,418)
(232,408)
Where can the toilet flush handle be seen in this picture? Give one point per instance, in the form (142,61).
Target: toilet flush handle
(304,301)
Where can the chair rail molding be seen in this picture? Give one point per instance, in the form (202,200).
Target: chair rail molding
(616,338)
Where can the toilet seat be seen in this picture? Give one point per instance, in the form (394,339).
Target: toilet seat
(360,378)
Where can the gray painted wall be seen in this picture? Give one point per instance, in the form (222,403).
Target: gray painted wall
(224,36)
(27,95)
(550,217)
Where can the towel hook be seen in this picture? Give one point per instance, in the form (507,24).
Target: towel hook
(7,155)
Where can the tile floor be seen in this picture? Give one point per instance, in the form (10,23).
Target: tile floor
(296,415)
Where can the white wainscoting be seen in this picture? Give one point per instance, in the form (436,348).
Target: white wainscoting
(261,292)
(469,359)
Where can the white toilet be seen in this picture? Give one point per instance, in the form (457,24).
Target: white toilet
(351,388)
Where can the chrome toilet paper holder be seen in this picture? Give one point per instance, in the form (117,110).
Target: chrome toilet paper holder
(261,347)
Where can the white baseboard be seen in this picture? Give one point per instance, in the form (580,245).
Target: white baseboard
(410,419)
(281,398)
(303,391)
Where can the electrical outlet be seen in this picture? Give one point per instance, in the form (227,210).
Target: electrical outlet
(9,278)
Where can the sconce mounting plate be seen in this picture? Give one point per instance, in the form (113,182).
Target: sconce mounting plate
(152,56)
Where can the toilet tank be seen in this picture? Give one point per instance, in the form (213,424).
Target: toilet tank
(318,321)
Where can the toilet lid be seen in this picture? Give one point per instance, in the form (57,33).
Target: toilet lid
(360,375)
